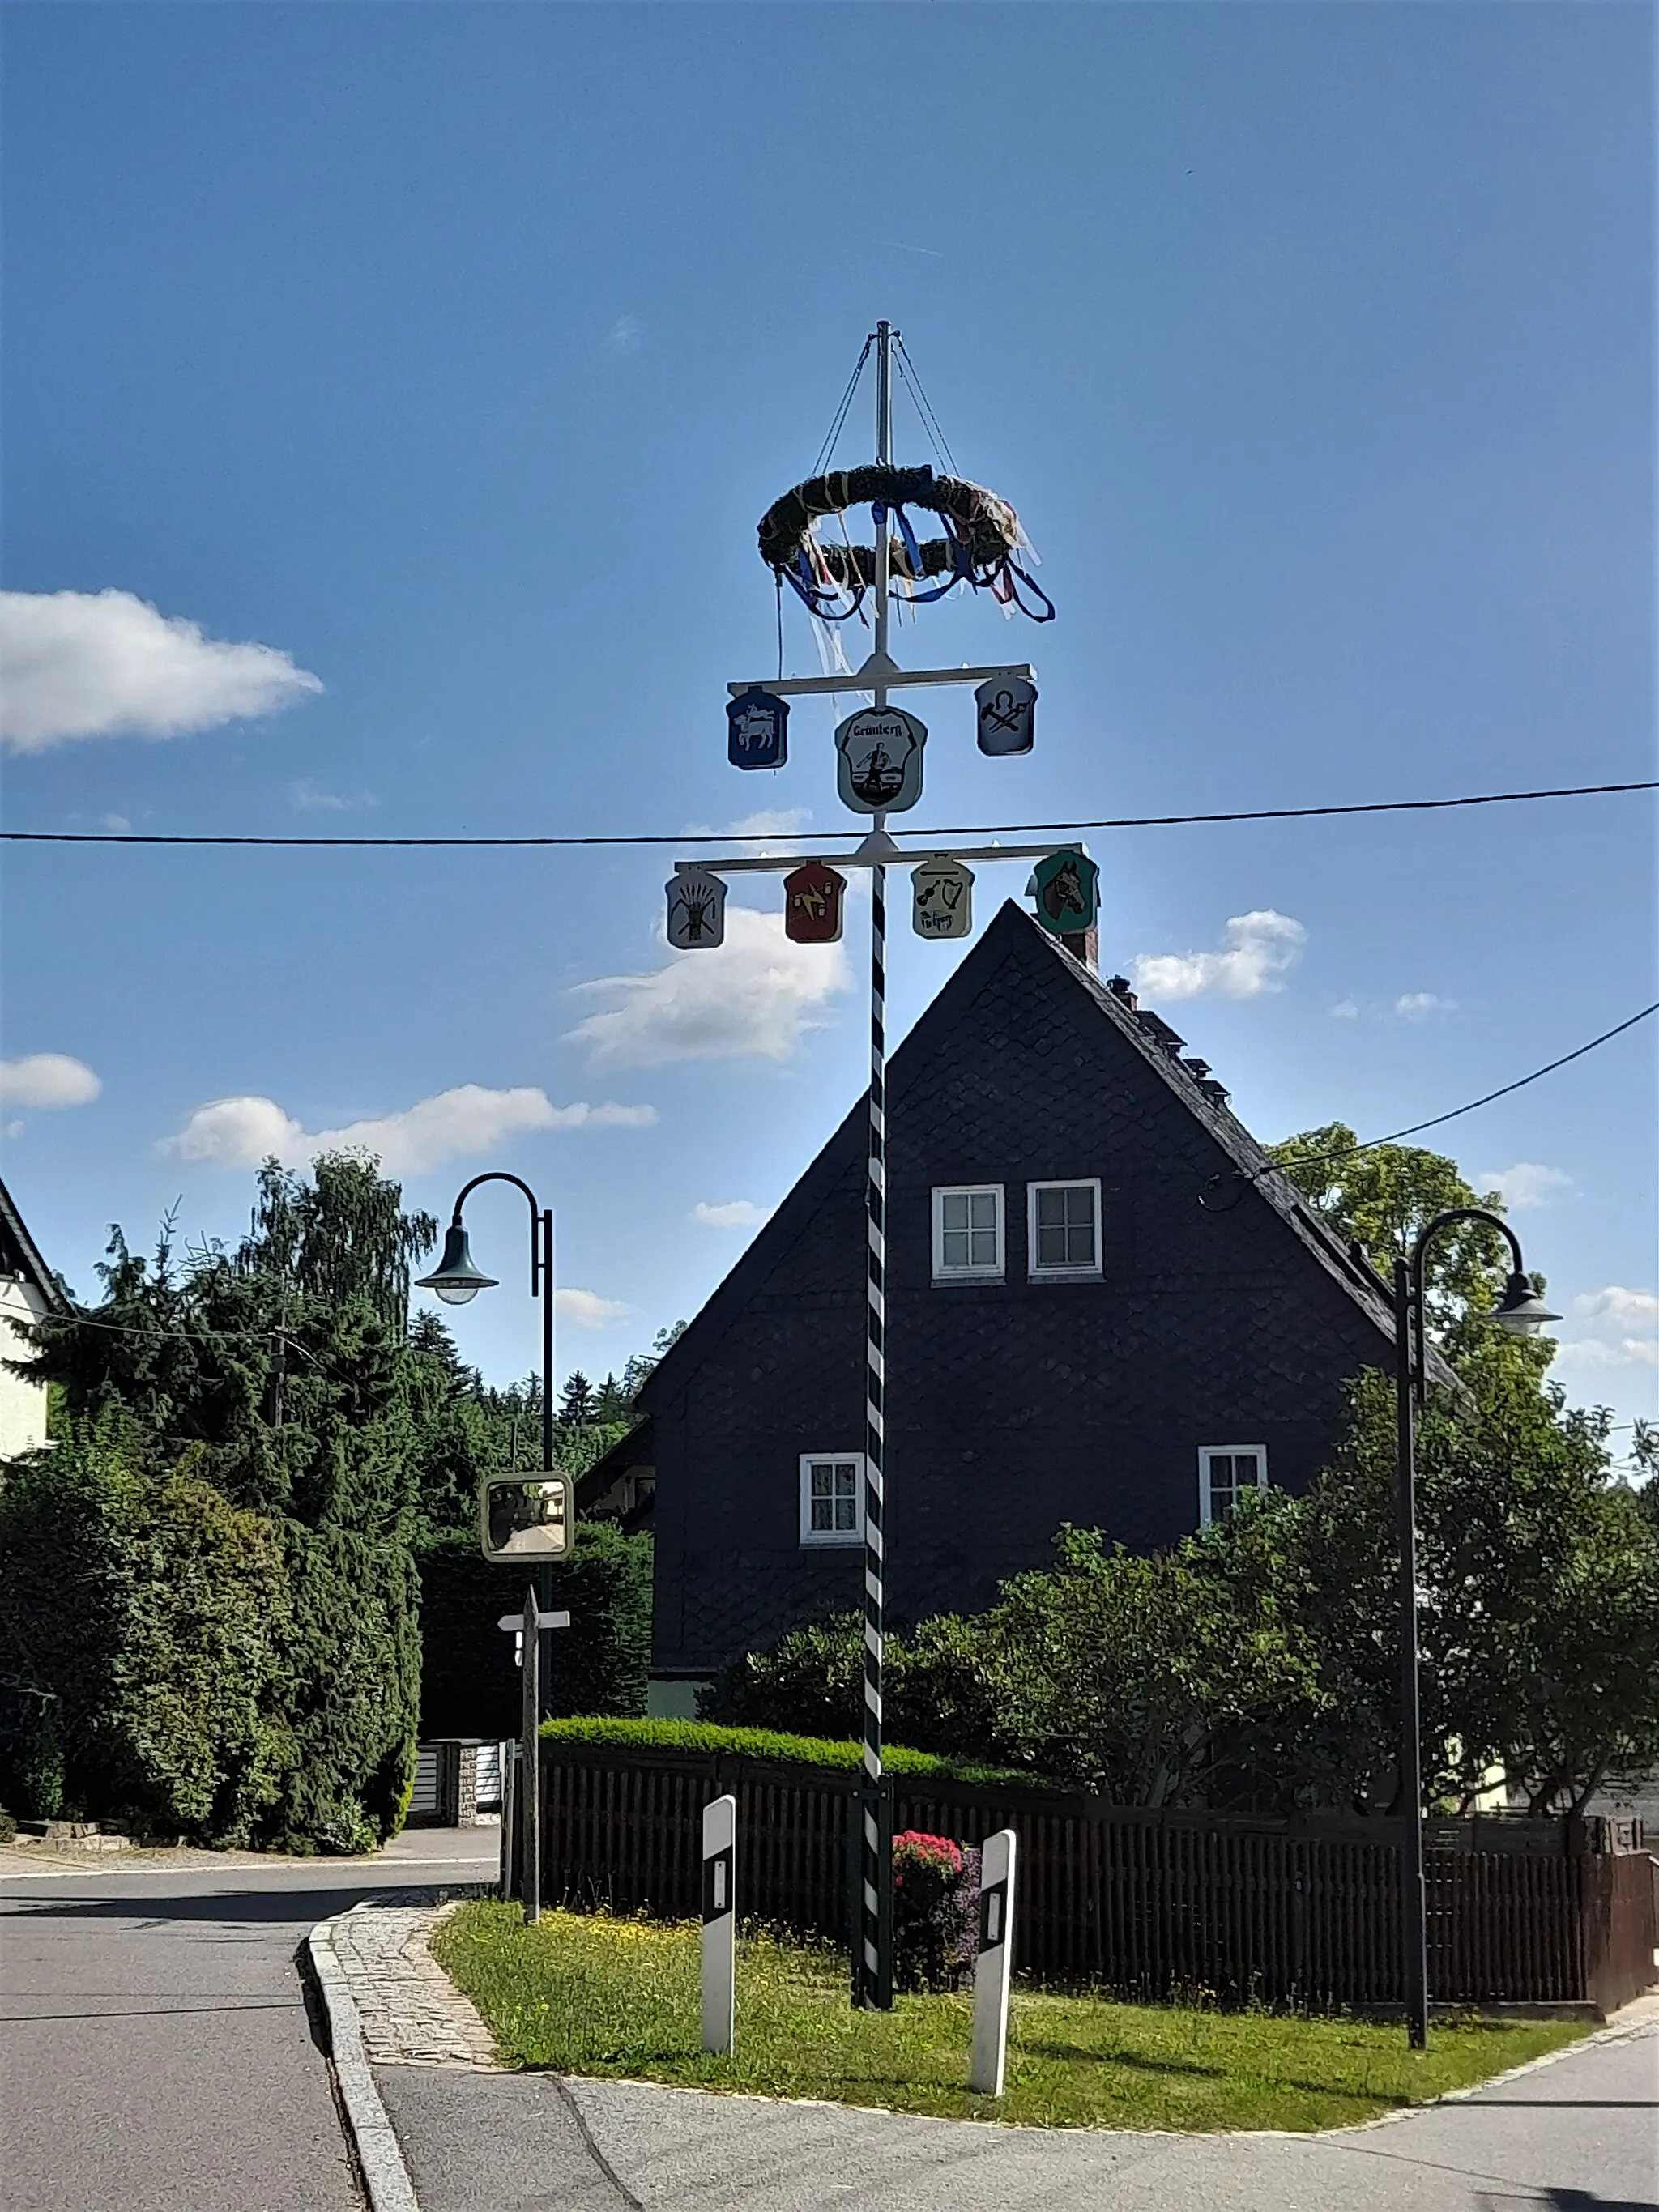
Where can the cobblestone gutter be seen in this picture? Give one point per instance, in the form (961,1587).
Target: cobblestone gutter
(411,2014)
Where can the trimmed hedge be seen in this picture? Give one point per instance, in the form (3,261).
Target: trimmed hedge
(469,1683)
(705,1738)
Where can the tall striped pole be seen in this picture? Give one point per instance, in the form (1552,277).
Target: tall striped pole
(874,1981)
(874,1977)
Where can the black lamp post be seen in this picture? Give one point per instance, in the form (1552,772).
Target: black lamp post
(1522,1313)
(457,1280)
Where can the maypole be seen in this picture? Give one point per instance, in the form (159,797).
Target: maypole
(879,752)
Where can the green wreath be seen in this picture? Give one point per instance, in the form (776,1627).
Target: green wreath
(983,535)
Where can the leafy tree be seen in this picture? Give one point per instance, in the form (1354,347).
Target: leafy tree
(284,1363)
(1539,1623)
(1383,1197)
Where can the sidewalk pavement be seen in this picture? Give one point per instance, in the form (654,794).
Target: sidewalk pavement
(1577,2133)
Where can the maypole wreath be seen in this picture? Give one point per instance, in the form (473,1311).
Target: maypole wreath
(982,538)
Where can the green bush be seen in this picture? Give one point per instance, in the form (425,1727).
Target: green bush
(707,1738)
(8,1825)
(144,1620)
(936,1694)
(600,1664)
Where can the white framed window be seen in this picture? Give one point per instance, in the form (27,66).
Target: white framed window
(1063,1228)
(1225,1471)
(832,1498)
(968,1233)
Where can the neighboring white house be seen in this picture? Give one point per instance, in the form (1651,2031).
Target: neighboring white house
(28,1293)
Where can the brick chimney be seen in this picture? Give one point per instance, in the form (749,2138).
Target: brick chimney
(1119,987)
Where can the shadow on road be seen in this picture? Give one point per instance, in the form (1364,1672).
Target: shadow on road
(276,1907)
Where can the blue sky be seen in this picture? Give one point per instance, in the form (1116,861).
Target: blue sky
(452,353)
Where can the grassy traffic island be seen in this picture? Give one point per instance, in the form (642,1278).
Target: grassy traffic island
(582,1993)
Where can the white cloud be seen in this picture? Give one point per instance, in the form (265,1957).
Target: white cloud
(1525,1185)
(117,824)
(47,1078)
(309,796)
(1259,947)
(788,821)
(1418,1005)
(16,1128)
(587,1309)
(624,335)
(1622,1327)
(753,997)
(731,1213)
(86,663)
(240,1132)
(1345,1010)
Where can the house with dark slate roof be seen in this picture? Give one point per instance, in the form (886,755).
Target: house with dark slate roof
(1072,1335)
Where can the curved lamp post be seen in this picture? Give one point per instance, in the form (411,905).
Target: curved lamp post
(1522,1313)
(457,1279)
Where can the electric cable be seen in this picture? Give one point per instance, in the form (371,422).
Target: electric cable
(921,838)
(1416,1129)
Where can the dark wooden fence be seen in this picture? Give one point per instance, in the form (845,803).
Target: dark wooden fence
(1147,1903)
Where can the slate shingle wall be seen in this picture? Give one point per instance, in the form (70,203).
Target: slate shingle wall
(1012,1406)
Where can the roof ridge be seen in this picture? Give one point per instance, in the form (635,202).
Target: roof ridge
(45,1282)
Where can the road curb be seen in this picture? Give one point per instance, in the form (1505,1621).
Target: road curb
(379,2154)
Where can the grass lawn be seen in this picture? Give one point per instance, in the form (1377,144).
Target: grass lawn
(585,1994)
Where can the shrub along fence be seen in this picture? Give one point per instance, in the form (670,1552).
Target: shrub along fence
(1146,1903)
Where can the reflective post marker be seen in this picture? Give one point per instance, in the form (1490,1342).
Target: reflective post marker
(994,1963)
(719,1924)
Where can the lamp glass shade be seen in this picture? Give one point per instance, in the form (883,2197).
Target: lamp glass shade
(456,1279)
(1520,1311)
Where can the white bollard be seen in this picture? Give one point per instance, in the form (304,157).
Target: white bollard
(995,1962)
(719,1924)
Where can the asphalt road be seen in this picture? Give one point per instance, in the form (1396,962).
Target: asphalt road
(156,2053)
(1578,2134)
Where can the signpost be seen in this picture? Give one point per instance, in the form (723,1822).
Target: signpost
(1067,886)
(814,896)
(878,760)
(757,729)
(719,1924)
(527,1626)
(696,910)
(1007,714)
(999,1857)
(942,899)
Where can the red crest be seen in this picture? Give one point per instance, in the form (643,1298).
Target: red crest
(812,899)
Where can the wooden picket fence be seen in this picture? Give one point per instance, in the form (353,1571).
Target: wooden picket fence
(1146,1903)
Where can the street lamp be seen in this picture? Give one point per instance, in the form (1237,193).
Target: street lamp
(1522,1312)
(457,1279)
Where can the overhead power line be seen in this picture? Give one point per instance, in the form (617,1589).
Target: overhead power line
(920,838)
(1434,1120)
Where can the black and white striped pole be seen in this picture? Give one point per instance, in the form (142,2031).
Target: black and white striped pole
(998,1859)
(872,1966)
(719,1924)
